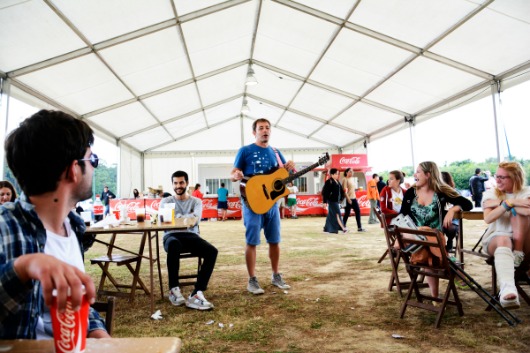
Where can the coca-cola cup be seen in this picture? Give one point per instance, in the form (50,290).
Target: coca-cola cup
(70,327)
(140,215)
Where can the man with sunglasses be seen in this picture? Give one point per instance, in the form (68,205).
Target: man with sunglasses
(41,238)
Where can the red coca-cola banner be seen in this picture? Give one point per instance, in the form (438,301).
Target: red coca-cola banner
(306,205)
(354,161)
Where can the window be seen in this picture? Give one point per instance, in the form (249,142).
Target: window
(214,184)
(301,184)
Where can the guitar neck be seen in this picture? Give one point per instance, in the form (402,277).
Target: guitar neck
(301,172)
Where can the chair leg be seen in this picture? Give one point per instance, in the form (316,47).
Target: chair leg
(383,256)
(409,294)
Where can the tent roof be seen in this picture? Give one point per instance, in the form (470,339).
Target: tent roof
(169,75)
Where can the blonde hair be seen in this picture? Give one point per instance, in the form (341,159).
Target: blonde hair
(435,181)
(516,173)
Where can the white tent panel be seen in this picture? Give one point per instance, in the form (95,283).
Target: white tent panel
(145,140)
(158,170)
(221,38)
(299,123)
(222,86)
(99,20)
(186,6)
(335,135)
(83,84)
(283,38)
(174,103)
(337,8)
(319,102)
(366,118)
(130,171)
(417,22)
(124,120)
(159,61)
(474,42)
(208,140)
(263,110)
(421,83)
(185,126)
(47,37)
(223,112)
(343,67)
(273,86)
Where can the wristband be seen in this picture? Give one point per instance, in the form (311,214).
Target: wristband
(506,206)
(509,204)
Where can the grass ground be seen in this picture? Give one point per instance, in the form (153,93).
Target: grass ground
(338,302)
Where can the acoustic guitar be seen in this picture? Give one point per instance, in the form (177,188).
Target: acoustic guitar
(260,192)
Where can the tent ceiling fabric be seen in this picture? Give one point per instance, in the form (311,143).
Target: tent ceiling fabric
(169,75)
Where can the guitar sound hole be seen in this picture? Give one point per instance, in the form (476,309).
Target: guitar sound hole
(278,185)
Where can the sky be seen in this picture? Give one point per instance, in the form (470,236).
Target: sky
(464,133)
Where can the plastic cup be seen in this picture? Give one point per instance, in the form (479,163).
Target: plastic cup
(70,327)
(140,215)
(87,217)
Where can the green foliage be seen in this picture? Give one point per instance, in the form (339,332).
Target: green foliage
(105,175)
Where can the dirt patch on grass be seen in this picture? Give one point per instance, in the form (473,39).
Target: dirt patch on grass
(339,300)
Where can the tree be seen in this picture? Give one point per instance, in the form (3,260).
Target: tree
(105,175)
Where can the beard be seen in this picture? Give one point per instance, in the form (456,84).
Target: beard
(180,191)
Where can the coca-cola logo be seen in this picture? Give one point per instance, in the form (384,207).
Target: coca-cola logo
(208,204)
(234,205)
(363,202)
(155,205)
(308,202)
(67,322)
(351,160)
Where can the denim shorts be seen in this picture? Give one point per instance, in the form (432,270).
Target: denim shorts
(254,223)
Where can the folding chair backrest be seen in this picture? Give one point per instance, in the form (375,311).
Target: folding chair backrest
(432,240)
(389,235)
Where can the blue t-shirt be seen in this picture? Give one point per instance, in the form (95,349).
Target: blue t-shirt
(253,159)
(222,194)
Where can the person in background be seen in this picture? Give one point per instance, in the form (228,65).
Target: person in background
(197,192)
(392,195)
(331,195)
(507,211)
(349,187)
(291,199)
(453,230)
(490,183)
(425,202)
(41,237)
(222,201)
(281,206)
(136,194)
(476,186)
(260,158)
(187,240)
(373,196)
(7,192)
(106,195)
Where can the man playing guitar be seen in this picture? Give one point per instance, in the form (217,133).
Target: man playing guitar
(253,159)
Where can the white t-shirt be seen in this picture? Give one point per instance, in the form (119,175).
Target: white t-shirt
(293,190)
(65,249)
(397,199)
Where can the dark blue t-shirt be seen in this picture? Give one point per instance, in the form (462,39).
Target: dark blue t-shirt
(253,159)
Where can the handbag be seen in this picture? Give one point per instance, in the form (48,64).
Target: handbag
(427,254)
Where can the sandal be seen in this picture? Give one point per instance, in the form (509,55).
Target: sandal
(509,290)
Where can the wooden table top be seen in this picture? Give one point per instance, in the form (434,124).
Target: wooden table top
(133,226)
(103,345)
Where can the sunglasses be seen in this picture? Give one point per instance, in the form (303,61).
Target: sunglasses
(94,160)
(502,177)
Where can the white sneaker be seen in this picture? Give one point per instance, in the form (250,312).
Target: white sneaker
(254,287)
(175,297)
(199,302)
(278,281)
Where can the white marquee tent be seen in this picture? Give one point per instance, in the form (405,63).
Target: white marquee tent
(166,79)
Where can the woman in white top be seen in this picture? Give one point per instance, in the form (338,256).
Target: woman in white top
(291,199)
(507,210)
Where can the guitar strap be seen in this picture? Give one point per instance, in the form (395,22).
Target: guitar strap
(278,157)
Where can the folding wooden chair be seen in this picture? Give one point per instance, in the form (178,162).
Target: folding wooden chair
(439,268)
(189,279)
(394,255)
(133,264)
